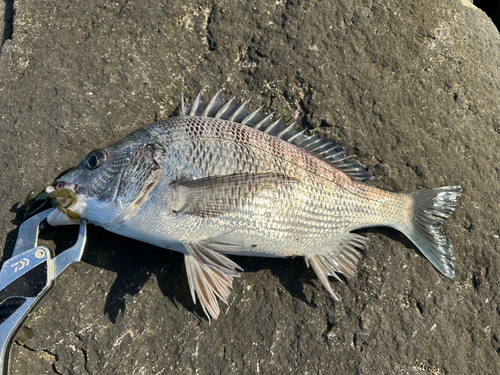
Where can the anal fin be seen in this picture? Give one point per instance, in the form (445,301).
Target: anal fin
(343,258)
(210,275)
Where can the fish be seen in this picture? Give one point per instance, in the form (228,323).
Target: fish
(219,179)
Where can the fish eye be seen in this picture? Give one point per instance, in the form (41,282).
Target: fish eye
(95,159)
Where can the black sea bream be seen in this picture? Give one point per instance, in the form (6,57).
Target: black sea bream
(220,180)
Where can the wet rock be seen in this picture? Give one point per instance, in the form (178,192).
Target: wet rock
(412,87)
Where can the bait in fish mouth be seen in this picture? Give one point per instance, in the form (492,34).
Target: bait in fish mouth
(219,180)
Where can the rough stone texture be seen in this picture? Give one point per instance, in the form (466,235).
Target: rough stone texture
(2,23)
(411,86)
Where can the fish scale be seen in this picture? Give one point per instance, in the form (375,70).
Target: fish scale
(219,179)
(264,153)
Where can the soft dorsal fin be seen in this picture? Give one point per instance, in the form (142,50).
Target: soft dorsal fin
(329,151)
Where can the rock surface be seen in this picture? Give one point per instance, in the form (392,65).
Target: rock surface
(411,86)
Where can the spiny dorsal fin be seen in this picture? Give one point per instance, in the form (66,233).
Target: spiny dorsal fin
(184,109)
(227,109)
(214,105)
(240,113)
(275,127)
(265,122)
(323,148)
(198,105)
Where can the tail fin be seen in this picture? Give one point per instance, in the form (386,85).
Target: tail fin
(430,209)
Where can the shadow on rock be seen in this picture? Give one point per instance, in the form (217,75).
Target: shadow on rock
(134,263)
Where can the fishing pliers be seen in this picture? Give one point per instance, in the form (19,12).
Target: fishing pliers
(27,276)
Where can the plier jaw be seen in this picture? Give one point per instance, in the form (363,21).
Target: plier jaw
(27,277)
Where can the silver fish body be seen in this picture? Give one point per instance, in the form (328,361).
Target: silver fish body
(220,180)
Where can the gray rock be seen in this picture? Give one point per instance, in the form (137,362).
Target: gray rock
(411,86)
(2,23)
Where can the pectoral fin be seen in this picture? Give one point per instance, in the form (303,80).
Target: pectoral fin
(217,195)
(210,274)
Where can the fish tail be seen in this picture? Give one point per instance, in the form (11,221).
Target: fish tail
(430,208)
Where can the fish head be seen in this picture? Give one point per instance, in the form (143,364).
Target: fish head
(109,184)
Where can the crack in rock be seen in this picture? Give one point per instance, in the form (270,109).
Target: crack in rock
(44,354)
(8,20)
(86,358)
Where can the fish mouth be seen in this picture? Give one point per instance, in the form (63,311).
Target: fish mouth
(63,197)
(58,185)
(63,193)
